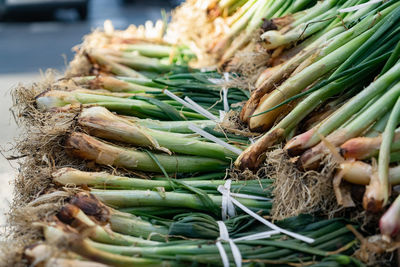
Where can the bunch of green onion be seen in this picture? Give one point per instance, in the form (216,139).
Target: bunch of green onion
(137,238)
(338,94)
(331,86)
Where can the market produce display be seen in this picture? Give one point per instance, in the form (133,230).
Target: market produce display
(238,133)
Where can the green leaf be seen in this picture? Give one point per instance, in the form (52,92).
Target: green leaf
(154,158)
(169,110)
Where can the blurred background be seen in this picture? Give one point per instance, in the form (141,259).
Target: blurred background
(38,34)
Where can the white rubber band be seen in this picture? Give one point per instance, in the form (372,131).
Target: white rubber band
(223,190)
(225,99)
(222,253)
(214,139)
(201,109)
(195,107)
(227,207)
(257,236)
(224,236)
(215,81)
(222,115)
(249,196)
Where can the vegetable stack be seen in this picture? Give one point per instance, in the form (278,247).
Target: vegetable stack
(155,149)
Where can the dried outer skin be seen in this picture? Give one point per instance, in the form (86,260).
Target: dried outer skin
(100,122)
(91,206)
(363,147)
(89,148)
(254,155)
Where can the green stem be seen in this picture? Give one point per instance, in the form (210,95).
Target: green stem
(138,198)
(384,152)
(354,104)
(103,180)
(89,148)
(115,67)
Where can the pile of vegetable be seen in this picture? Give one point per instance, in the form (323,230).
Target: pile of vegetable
(157,148)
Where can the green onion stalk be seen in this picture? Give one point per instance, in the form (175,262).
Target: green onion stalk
(264,11)
(128,229)
(378,127)
(208,254)
(223,4)
(239,12)
(354,127)
(158,51)
(134,59)
(236,5)
(56,99)
(180,225)
(64,100)
(207,182)
(115,84)
(139,198)
(138,62)
(89,148)
(200,85)
(100,122)
(84,204)
(115,67)
(103,92)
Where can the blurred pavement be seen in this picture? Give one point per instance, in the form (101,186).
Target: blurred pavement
(27,47)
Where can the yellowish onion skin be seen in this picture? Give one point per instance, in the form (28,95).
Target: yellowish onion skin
(356,172)
(360,147)
(359,172)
